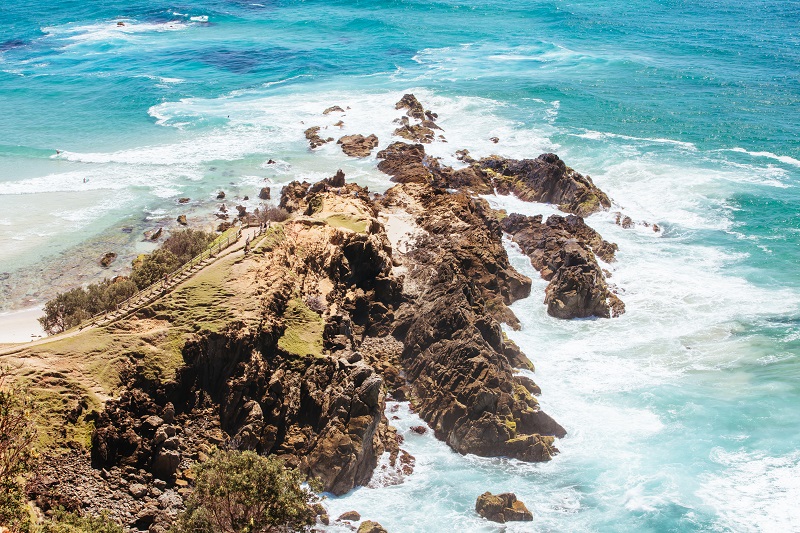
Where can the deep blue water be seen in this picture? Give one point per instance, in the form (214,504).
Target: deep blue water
(682,414)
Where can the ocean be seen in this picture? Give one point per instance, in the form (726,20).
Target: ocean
(682,414)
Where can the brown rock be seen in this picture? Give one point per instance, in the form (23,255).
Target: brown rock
(412,105)
(416,133)
(265,193)
(220,195)
(351,516)
(332,109)
(358,145)
(182,220)
(404,162)
(107,259)
(183,200)
(157,234)
(314,139)
(369,526)
(502,508)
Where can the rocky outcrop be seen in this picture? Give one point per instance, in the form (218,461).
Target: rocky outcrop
(332,109)
(502,508)
(545,179)
(455,356)
(416,133)
(405,163)
(358,145)
(265,193)
(314,139)
(182,220)
(563,250)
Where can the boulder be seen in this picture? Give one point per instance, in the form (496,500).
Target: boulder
(351,516)
(265,193)
(182,220)
(358,145)
(156,234)
(107,259)
(183,200)
(166,463)
(332,109)
(221,195)
(368,526)
(502,508)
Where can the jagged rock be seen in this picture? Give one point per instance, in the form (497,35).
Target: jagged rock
(419,430)
(221,195)
(563,250)
(358,145)
(183,200)
(107,259)
(545,179)
(182,220)
(137,490)
(242,211)
(412,105)
(417,133)
(368,526)
(404,162)
(332,109)
(502,508)
(314,139)
(265,193)
(624,220)
(157,234)
(351,516)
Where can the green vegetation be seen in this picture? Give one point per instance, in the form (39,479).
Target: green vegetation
(17,436)
(243,492)
(303,333)
(70,308)
(353,224)
(63,522)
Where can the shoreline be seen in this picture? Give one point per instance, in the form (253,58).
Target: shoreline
(18,327)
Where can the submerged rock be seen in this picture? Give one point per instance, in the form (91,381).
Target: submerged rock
(107,259)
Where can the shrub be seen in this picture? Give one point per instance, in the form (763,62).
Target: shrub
(64,522)
(187,244)
(273,214)
(17,436)
(243,492)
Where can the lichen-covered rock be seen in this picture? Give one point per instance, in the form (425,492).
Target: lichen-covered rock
(368,526)
(182,220)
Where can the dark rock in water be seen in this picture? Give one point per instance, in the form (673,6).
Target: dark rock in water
(183,200)
(351,516)
(127,229)
(413,107)
(502,508)
(495,140)
(546,179)
(156,234)
(416,133)
(624,220)
(242,211)
(182,220)
(332,109)
(220,195)
(419,430)
(107,259)
(404,162)
(265,193)
(368,526)
(246,198)
(314,139)
(358,145)
(340,124)
(563,250)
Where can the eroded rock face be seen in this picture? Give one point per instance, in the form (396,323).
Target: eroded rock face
(563,250)
(358,145)
(405,163)
(546,179)
(455,355)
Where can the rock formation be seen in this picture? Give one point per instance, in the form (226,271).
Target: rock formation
(358,145)
(563,250)
(314,139)
(107,259)
(502,508)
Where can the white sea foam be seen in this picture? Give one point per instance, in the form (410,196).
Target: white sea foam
(782,158)
(110,31)
(754,492)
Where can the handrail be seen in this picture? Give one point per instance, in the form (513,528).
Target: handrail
(220,243)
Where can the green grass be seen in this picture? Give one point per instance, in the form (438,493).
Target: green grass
(304,328)
(352,224)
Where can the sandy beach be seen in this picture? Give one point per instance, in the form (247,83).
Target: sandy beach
(21,326)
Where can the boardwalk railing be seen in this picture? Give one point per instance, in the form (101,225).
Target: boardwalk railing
(144,296)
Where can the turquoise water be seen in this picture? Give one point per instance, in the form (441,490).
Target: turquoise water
(681,414)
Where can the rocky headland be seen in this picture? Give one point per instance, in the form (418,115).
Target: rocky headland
(293,348)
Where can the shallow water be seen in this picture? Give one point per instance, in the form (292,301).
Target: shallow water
(681,414)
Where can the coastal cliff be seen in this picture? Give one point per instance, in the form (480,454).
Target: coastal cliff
(293,347)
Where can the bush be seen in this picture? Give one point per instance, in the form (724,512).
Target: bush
(64,522)
(70,308)
(17,435)
(273,214)
(243,492)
